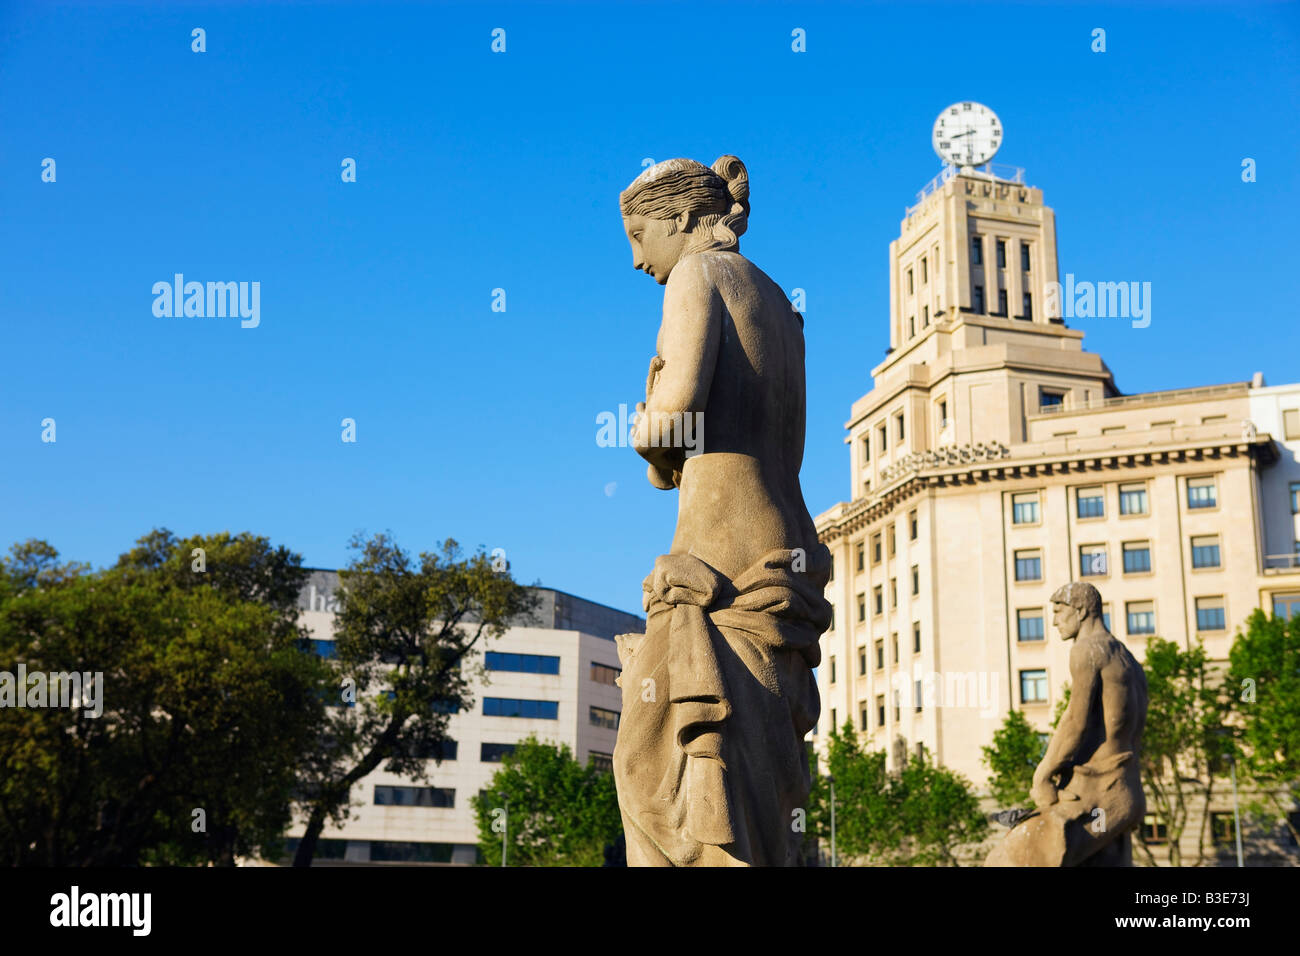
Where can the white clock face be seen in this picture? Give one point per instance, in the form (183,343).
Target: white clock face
(967,134)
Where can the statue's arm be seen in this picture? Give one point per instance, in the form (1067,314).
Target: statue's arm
(1085,676)
(688,352)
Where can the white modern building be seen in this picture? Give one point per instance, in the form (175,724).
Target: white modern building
(553,679)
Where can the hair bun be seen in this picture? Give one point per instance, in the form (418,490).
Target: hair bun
(733,171)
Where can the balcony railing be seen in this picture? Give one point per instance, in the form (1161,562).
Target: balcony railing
(1281,562)
(1149,398)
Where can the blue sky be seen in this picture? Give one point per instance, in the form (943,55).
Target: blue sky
(478,171)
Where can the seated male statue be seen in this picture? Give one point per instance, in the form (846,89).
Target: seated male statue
(1087,790)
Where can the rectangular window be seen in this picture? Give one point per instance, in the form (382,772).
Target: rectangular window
(1024,508)
(1029,625)
(894,638)
(492,753)
(879,594)
(880,655)
(600,717)
(916,637)
(1141,617)
(1092,560)
(1024,260)
(1295,497)
(604,674)
(899,420)
(1291,423)
(880,710)
(1154,833)
(916,580)
(910,286)
(1223,827)
(1105,616)
(1205,551)
(1132,499)
(925,316)
(1002,302)
(977,250)
(1201,493)
(387,796)
(889,536)
(834,725)
(862,661)
(911,519)
(445,749)
(521,663)
(394,851)
(925,271)
(1002,253)
(1286,606)
(916,695)
(977,300)
(1027,305)
(1137,557)
(1090,503)
(862,718)
(893,592)
(1033,687)
(911,326)
(832,668)
(1029,565)
(884,437)
(943,415)
(875,549)
(1210,615)
(511,707)
(600,762)
(862,608)
(1048,398)
(328,648)
(866,449)
(898,710)
(862,556)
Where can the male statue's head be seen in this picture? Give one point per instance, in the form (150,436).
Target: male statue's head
(679,207)
(1074,604)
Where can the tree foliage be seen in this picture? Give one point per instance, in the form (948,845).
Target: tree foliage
(207,704)
(919,816)
(1263,682)
(1014,755)
(405,635)
(549,809)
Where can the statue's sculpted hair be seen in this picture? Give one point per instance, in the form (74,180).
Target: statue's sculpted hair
(718,197)
(1081,596)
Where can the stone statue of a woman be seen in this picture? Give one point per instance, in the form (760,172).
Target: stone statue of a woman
(719,693)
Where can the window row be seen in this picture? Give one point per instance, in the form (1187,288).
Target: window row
(977,253)
(879,653)
(1139,618)
(1132,499)
(521,663)
(1135,558)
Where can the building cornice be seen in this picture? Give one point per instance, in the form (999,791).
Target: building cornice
(966,465)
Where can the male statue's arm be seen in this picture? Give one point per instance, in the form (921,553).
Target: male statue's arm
(1064,745)
(688,352)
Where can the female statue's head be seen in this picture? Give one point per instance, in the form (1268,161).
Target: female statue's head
(679,207)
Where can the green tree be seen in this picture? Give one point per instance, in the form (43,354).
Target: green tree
(1016,751)
(549,809)
(1182,746)
(1264,683)
(919,816)
(207,702)
(404,636)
